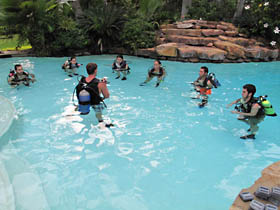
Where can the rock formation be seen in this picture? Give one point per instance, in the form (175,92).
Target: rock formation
(270,178)
(207,41)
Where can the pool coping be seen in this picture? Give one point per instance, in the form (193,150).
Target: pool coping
(7,116)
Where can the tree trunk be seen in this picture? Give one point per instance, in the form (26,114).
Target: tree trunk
(185,4)
(239,9)
(77,8)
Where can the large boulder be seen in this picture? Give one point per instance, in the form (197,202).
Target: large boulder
(231,33)
(240,41)
(196,41)
(168,49)
(262,53)
(183,32)
(230,26)
(234,51)
(165,26)
(206,53)
(185,25)
(222,27)
(210,53)
(212,32)
(148,52)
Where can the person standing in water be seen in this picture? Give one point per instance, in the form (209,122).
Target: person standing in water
(157,71)
(120,66)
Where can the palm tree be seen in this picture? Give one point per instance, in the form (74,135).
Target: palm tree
(102,23)
(147,8)
(30,19)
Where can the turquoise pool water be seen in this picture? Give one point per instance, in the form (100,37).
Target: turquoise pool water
(163,153)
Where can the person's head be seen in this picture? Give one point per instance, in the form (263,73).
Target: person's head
(73,60)
(203,71)
(91,68)
(119,58)
(157,64)
(248,91)
(18,69)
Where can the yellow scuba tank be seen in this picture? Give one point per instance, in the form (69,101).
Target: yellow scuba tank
(268,109)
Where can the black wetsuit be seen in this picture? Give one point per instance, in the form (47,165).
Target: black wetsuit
(17,80)
(153,73)
(92,88)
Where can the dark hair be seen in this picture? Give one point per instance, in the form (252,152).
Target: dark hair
(158,61)
(205,69)
(72,58)
(120,56)
(91,68)
(17,65)
(250,88)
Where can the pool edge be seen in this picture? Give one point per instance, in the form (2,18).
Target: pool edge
(8,113)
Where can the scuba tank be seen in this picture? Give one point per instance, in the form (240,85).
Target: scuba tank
(212,77)
(268,109)
(84,102)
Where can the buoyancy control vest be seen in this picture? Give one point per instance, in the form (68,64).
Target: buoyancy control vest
(152,72)
(88,94)
(246,107)
(16,80)
(121,66)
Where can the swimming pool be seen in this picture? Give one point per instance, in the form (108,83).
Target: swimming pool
(163,152)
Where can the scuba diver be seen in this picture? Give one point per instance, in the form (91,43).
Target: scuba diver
(70,66)
(157,71)
(252,110)
(18,76)
(119,66)
(204,83)
(88,93)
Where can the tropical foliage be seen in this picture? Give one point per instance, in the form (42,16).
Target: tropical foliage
(103,24)
(138,33)
(262,18)
(53,28)
(212,10)
(46,25)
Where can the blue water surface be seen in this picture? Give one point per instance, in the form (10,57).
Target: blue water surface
(163,152)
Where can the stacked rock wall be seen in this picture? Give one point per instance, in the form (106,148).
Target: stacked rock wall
(207,41)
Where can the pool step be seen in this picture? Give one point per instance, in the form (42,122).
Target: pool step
(7,200)
(25,182)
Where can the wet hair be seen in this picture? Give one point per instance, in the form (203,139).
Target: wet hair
(205,69)
(91,68)
(250,88)
(158,61)
(17,65)
(72,58)
(120,56)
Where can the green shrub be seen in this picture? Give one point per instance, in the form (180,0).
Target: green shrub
(48,26)
(102,24)
(262,18)
(212,10)
(138,33)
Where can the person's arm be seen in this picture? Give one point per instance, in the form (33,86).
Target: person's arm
(66,65)
(254,111)
(209,84)
(32,77)
(10,79)
(234,102)
(163,75)
(103,89)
